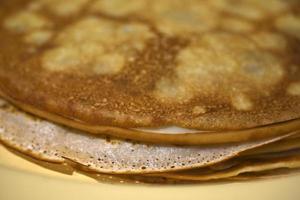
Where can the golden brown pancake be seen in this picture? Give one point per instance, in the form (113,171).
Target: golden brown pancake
(283,145)
(245,163)
(47,141)
(245,169)
(163,137)
(251,158)
(249,169)
(268,174)
(289,162)
(208,65)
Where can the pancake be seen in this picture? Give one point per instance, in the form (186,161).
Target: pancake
(279,146)
(269,174)
(289,162)
(176,135)
(250,158)
(46,141)
(246,170)
(238,167)
(277,149)
(206,65)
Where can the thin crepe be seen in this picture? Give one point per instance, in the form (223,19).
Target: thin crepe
(208,65)
(246,166)
(244,169)
(283,145)
(195,138)
(50,142)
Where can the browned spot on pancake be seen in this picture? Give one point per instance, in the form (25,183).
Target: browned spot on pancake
(26,21)
(35,26)
(169,16)
(240,8)
(38,37)
(294,89)
(251,9)
(62,8)
(182,17)
(222,61)
(289,24)
(97,45)
(198,110)
(2,103)
(270,40)
(236,25)
(154,61)
(241,102)
(119,7)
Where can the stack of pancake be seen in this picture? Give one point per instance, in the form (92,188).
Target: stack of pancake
(165,91)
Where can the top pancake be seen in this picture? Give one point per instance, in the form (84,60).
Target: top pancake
(214,65)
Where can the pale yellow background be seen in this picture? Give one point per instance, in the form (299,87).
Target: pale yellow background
(20,179)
